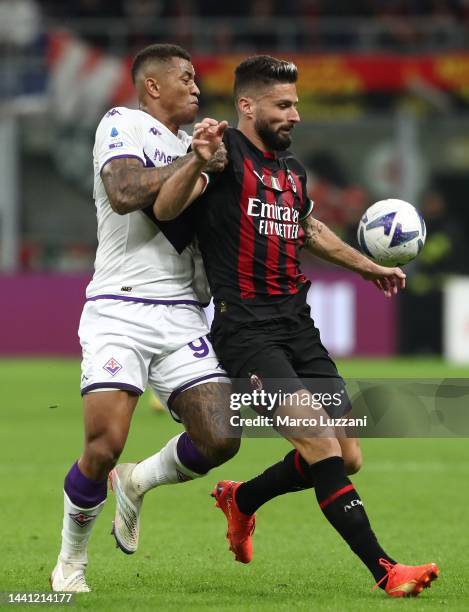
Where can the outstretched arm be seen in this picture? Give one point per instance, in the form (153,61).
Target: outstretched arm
(324,243)
(188,183)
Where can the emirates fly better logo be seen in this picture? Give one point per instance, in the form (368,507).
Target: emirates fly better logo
(274,219)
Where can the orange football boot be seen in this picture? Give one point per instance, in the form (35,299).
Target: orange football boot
(407,580)
(240,526)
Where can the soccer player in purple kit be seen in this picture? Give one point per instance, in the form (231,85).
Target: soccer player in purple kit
(248,222)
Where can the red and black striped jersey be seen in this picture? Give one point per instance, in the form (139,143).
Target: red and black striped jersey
(248,222)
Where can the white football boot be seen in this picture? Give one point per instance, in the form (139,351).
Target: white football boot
(69,578)
(126,524)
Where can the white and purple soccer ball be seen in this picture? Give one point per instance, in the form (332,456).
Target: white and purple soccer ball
(391,232)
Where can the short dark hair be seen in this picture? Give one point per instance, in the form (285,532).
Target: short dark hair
(263,70)
(159,52)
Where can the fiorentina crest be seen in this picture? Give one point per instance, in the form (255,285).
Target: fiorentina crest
(112,366)
(82,519)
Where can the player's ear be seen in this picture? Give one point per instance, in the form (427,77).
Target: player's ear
(245,106)
(152,87)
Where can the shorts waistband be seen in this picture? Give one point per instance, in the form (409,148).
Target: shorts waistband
(273,308)
(140,300)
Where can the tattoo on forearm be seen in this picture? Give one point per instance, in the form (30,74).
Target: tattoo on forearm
(132,187)
(330,247)
(218,160)
(312,229)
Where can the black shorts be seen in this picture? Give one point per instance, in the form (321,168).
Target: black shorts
(283,352)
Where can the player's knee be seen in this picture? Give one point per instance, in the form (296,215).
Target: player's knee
(316,449)
(104,453)
(222,450)
(353,463)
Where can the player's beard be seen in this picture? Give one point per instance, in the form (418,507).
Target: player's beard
(273,140)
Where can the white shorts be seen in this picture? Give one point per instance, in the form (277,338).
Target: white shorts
(128,345)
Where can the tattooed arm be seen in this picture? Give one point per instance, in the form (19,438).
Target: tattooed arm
(130,186)
(324,243)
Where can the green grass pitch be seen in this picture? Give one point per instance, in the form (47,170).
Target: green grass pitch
(416,493)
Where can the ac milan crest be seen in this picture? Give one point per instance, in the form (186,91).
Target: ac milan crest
(291,180)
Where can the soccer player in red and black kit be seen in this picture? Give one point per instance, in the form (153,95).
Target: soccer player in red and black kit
(248,221)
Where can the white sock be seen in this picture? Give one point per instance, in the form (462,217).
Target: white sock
(76,531)
(162,468)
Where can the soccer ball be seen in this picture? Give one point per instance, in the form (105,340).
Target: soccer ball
(391,232)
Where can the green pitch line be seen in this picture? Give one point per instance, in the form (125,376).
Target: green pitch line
(415,493)
(405,367)
(401,368)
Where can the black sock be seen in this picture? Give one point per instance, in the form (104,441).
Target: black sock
(344,510)
(289,475)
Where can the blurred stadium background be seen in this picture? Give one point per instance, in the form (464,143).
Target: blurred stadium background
(384,88)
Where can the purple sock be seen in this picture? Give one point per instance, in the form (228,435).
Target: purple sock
(82,491)
(190,456)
